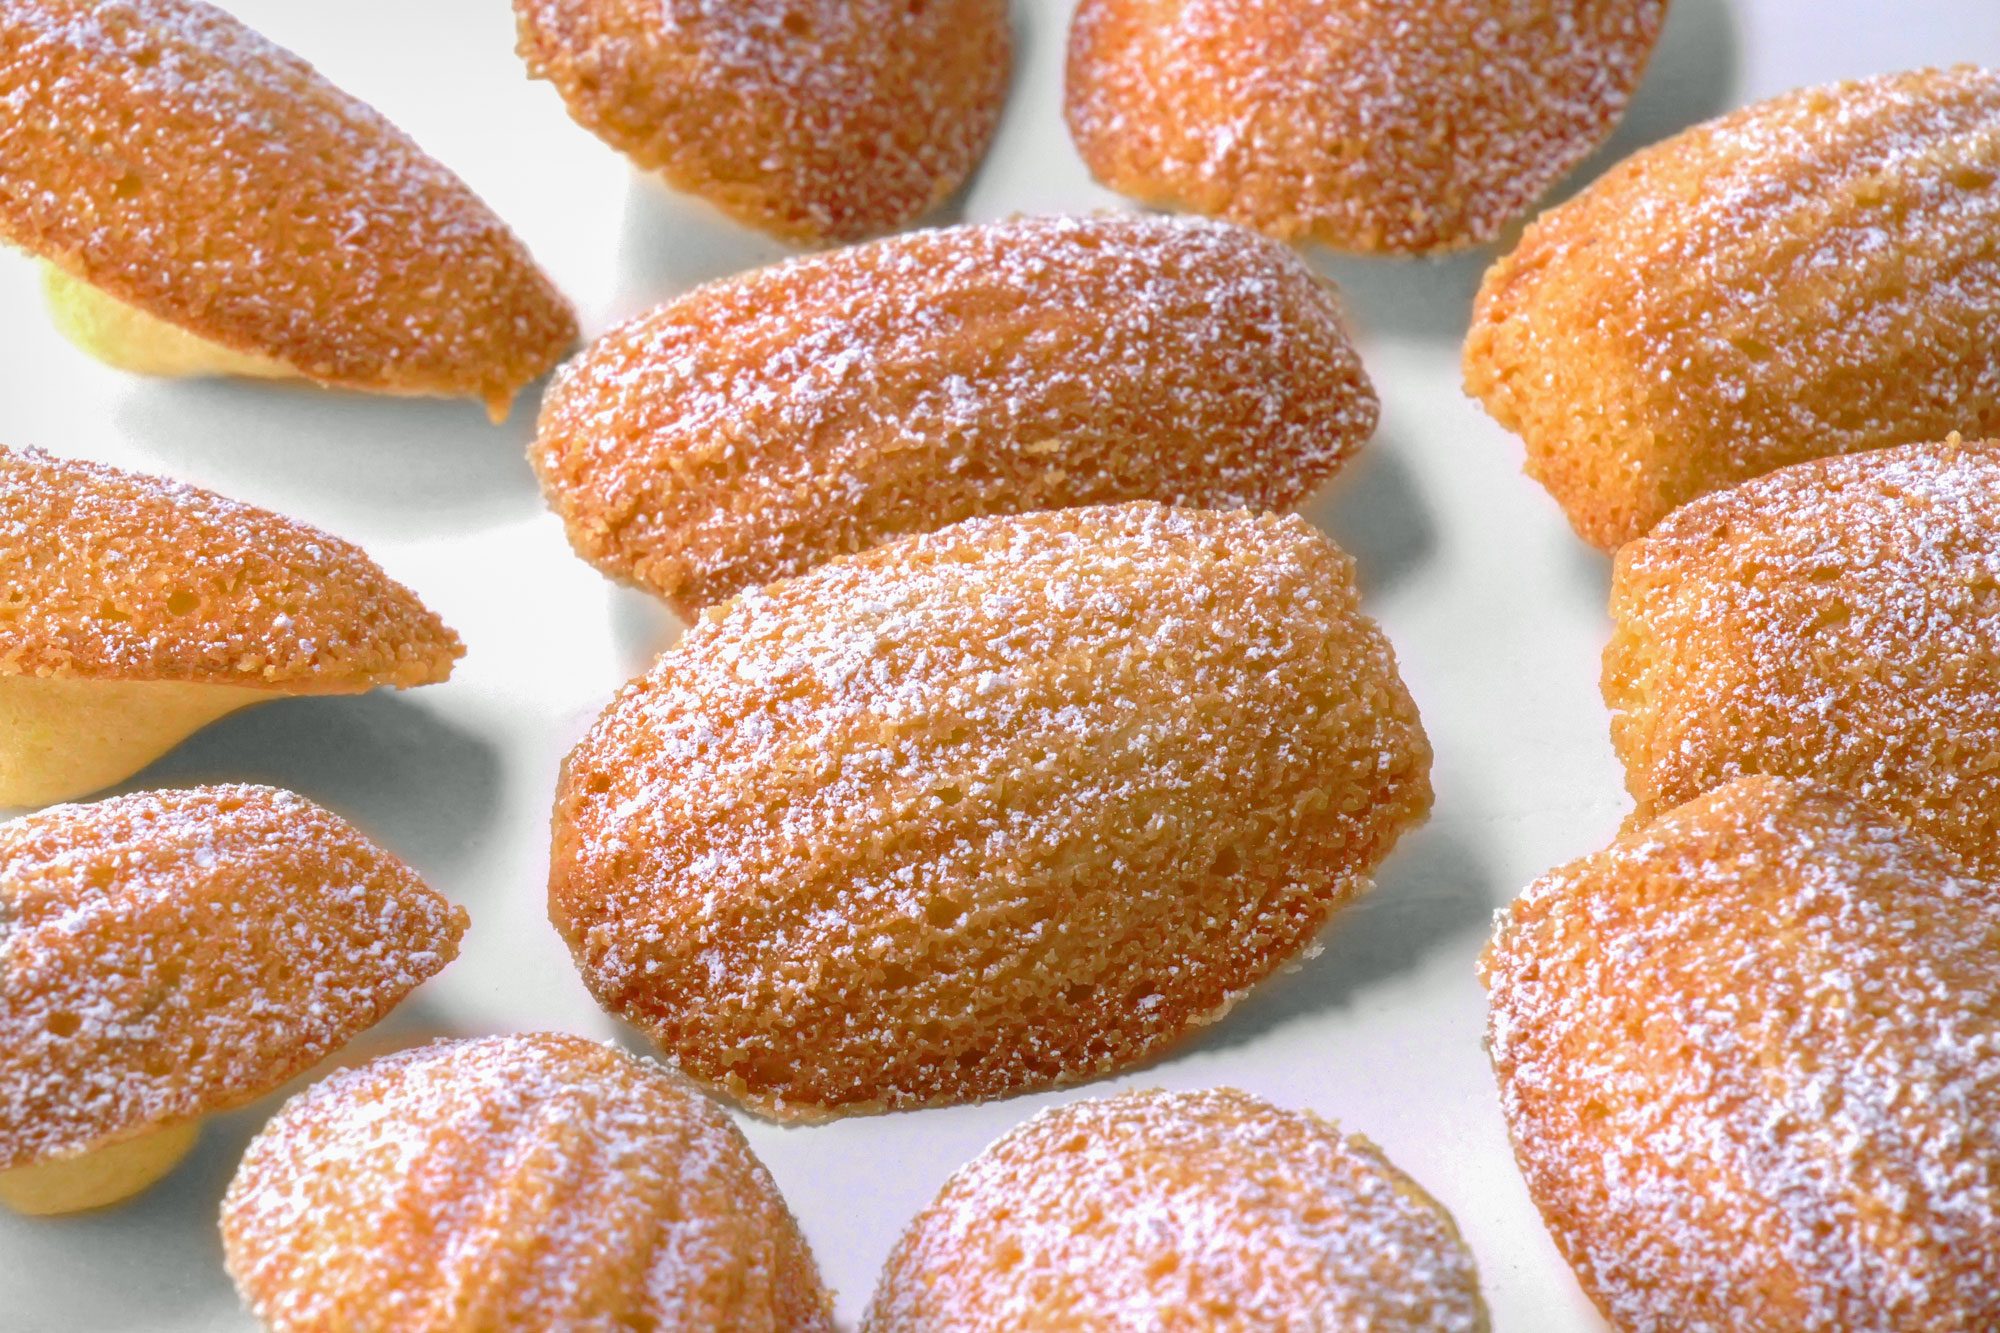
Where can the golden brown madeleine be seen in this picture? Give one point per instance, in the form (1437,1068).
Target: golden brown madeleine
(1838,620)
(134,610)
(171,954)
(815,120)
(764,423)
(530,1182)
(1814,275)
(1179,1211)
(1383,128)
(185,168)
(1750,1059)
(995,808)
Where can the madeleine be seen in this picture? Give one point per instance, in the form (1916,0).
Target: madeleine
(1813,275)
(1835,620)
(173,954)
(134,611)
(1369,127)
(529,1182)
(812,120)
(1000,807)
(208,204)
(1181,1211)
(764,423)
(1750,1058)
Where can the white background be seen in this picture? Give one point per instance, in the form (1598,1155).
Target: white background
(1496,611)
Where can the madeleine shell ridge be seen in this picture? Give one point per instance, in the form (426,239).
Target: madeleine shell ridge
(170,954)
(1836,620)
(1750,1059)
(1813,275)
(254,205)
(1000,807)
(814,120)
(766,422)
(1179,1211)
(536,1181)
(1372,128)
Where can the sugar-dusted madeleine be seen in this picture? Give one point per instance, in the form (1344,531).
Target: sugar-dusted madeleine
(1000,807)
(172,954)
(530,1182)
(134,611)
(1839,620)
(1814,275)
(764,423)
(1750,1059)
(210,204)
(1369,127)
(1180,1212)
(814,120)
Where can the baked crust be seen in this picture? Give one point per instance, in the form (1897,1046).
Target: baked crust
(174,159)
(113,575)
(1750,1059)
(761,424)
(1377,128)
(1835,620)
(1179,1211)
(814,120)
(530,1182)
(1812,275)
(171,954)
(1000,807)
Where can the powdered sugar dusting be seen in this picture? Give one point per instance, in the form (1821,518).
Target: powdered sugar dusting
(170,954)
(1837,620)
(1750,1056)
(1369,126)
(164,152)
(765,422)
(1179,1211)
(116,575)
(537,1181)
(992,808)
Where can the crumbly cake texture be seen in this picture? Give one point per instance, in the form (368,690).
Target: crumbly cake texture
(536,1181)
(171,954)
(168,155)
(764,423)
(815,120)
(1000,807)
(1818,274)
(1367,126)
(115,575)
(1180,1212)
(1835,620)
(1750,1058)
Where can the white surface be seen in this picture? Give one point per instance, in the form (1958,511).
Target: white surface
(1496,611)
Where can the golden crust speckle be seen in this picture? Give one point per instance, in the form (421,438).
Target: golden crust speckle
(1389,128)
(166,154)
(112,575)
(1809,276)
(170,954)
(1183,1212)
(764,423)
(531,1182)
(816,120)
(1750,1059)
(994,808)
